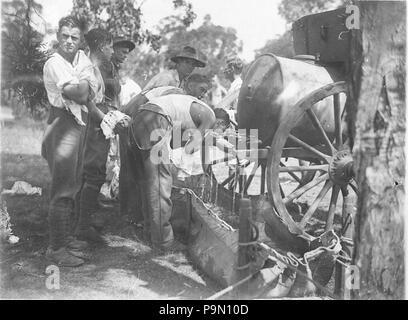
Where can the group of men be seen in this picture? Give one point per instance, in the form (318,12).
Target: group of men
(87,111)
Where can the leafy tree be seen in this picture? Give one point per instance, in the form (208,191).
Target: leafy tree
(144,61)
(216,42)
(281,46)
(123,17)
(23,55)
(292,10)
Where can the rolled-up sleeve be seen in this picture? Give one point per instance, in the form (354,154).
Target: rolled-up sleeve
(57,75)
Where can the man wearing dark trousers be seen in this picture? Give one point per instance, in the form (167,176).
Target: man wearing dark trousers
(68,86)
(162,119)
(111,76)
(103,124)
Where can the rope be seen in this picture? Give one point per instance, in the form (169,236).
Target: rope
(243,244)
(292,262)
(305,275)
(209,210)
(245,266)
(254,228)
(342,263)
(231,287)
(308,278)
(294,259)
(279,257)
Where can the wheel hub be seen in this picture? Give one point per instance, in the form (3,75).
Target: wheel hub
(341,167)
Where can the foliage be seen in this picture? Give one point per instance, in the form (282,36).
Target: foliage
(123,17)
(189,15)
(23,55)
(292,10)
(215,41)
(281,46)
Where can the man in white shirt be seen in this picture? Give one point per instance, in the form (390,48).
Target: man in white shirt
(232,72)
(217,92)
(129,89)
(69,84)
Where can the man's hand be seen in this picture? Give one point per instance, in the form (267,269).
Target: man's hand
(122,125)
(224,145)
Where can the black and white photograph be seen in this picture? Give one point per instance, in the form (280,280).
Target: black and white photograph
(217,151)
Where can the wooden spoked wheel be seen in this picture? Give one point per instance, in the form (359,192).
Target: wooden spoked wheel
(328,157)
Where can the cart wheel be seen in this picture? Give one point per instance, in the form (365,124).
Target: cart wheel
(330,160)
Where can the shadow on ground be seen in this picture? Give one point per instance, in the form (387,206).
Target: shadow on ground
(124,268)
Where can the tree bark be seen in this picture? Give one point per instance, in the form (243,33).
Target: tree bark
(377,121)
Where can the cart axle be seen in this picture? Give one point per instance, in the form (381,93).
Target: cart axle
(341,168)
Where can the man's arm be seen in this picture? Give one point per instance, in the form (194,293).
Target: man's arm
(94,112)
(134,104)
(228,100)
(204,120)
(78,93)
(71,88)
(208,120)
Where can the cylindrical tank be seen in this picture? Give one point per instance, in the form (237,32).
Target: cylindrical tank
(273,85)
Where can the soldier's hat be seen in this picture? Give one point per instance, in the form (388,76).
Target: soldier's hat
(122,41)
(191,53)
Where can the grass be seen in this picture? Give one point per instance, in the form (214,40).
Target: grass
(21,154)
(22,137)
(21,161)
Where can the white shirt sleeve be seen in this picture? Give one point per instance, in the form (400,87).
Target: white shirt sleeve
(55,73)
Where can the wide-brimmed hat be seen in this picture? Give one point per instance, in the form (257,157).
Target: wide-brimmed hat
(191,53)
(121,41)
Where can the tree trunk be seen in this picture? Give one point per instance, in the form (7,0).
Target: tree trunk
(378,126)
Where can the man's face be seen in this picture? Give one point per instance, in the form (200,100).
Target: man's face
(69,39)
(197,89)
(120,54)
(107,50)
(229,74)
(185,67)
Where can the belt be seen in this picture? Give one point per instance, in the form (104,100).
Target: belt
(156,109)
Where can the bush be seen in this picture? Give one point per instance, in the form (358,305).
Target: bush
(23,58)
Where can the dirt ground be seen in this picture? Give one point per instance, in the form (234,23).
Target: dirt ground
(122,269)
